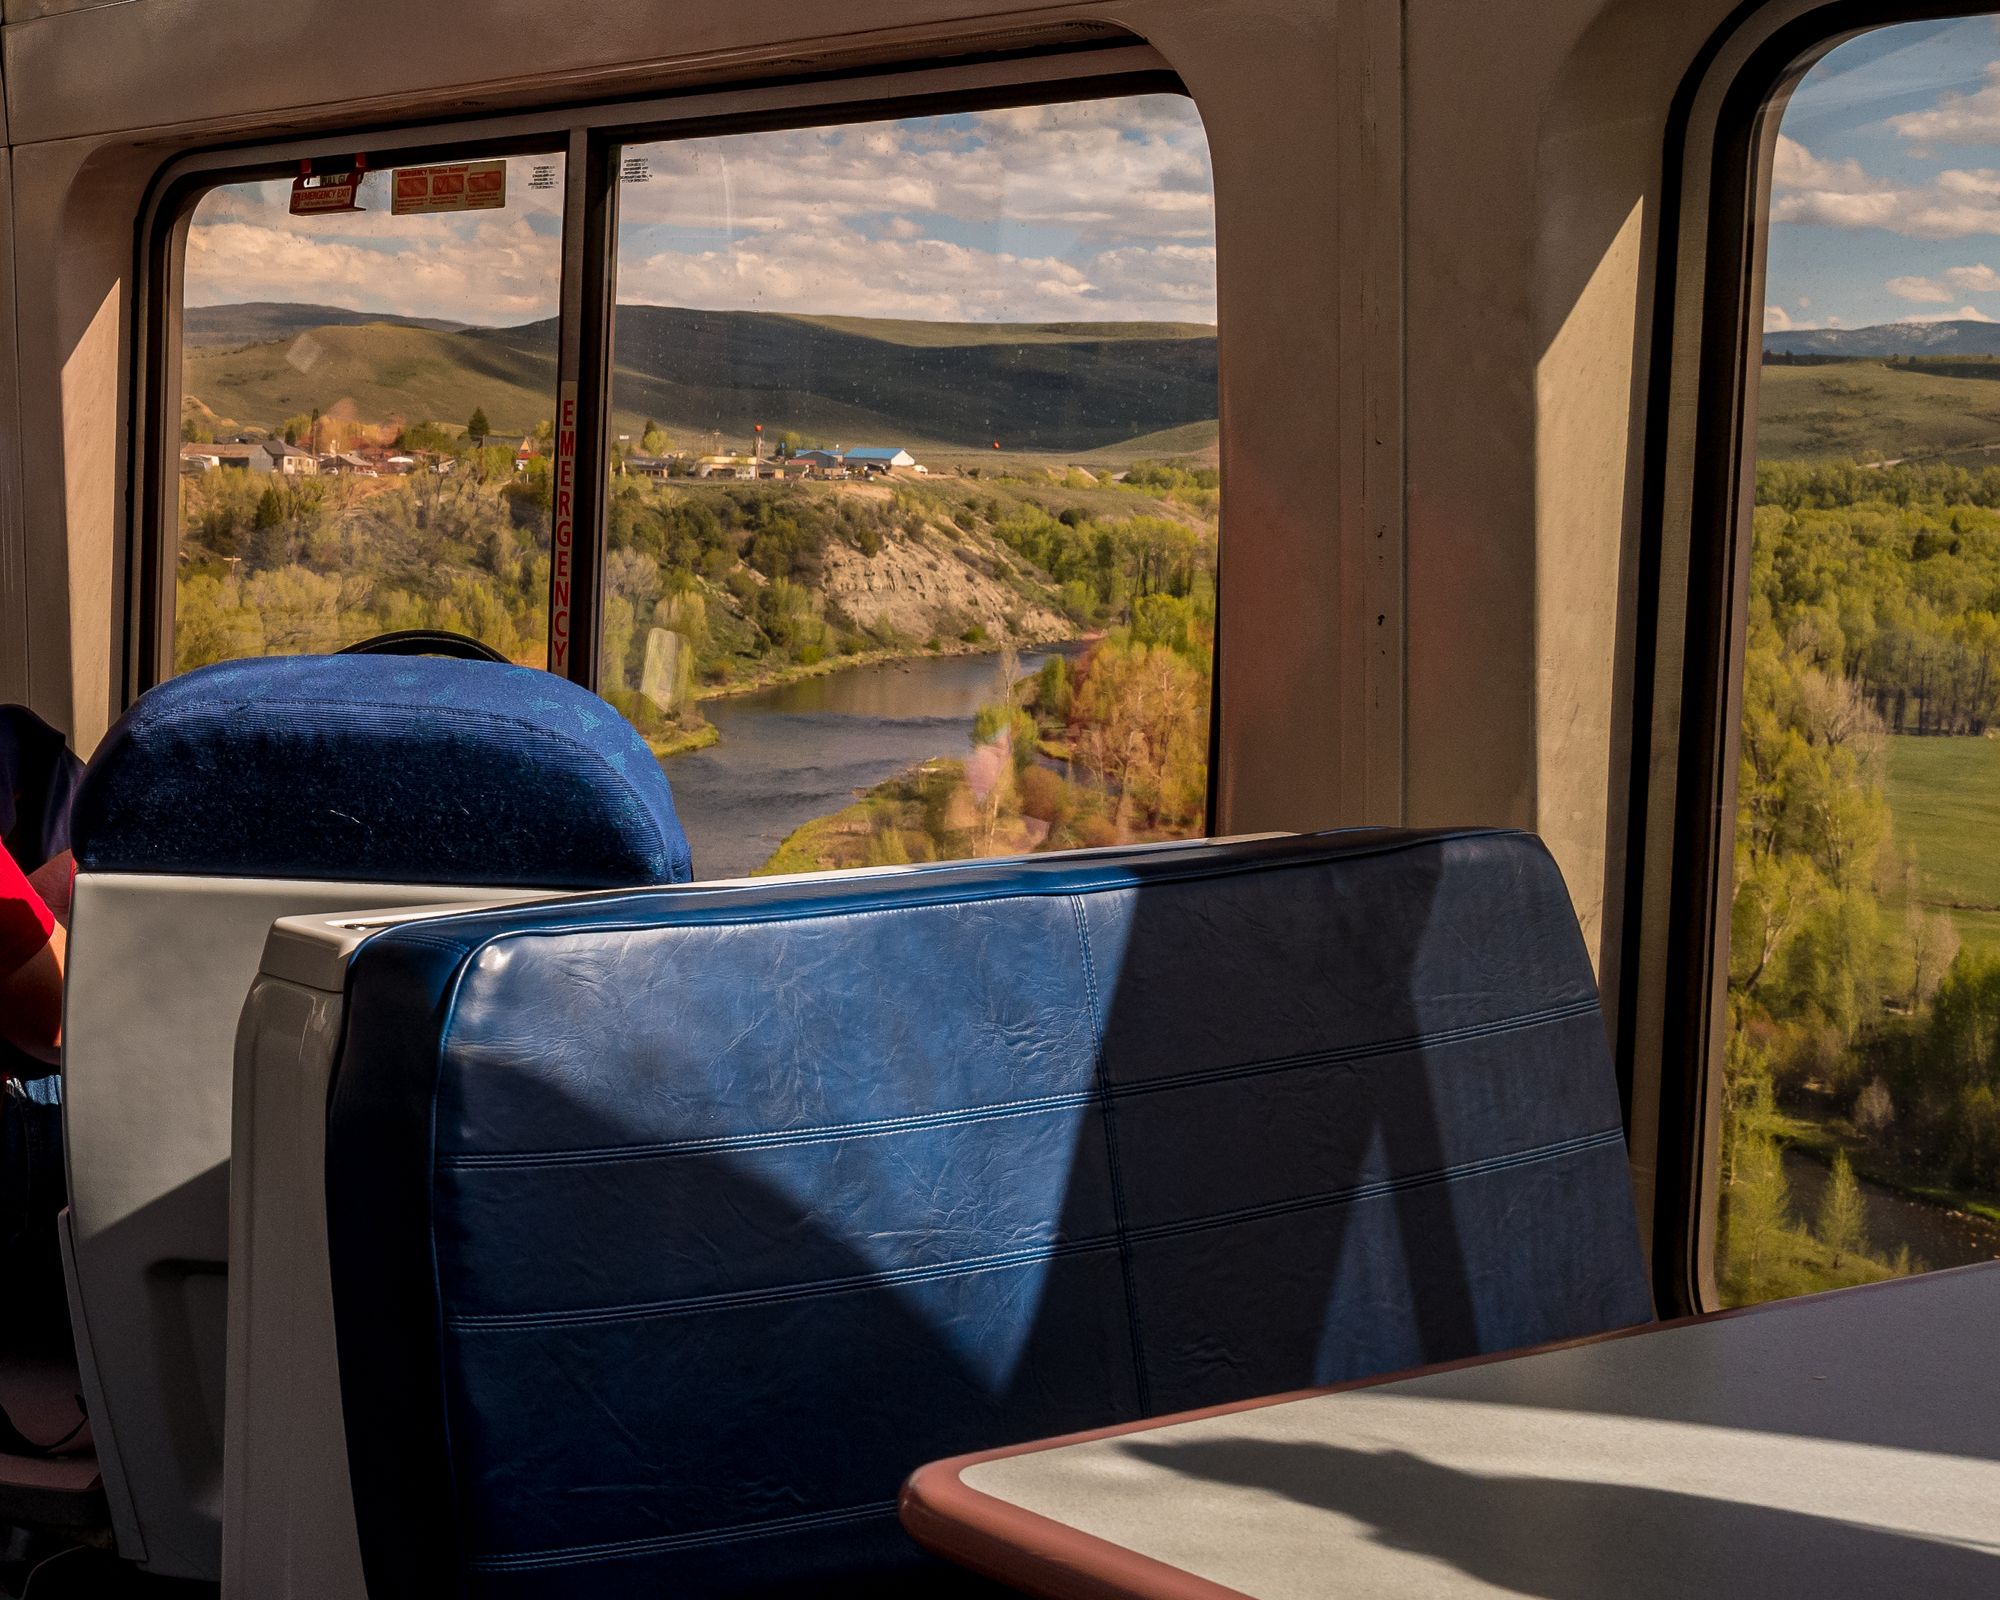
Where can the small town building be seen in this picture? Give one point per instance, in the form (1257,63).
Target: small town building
(640,466)
(878,458)
(288,459)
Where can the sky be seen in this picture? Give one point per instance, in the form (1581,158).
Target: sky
(1097,211)
(1885,191)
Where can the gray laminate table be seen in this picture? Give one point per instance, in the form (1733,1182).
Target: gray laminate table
(1842,1445)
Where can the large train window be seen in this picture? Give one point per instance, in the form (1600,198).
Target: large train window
(1861,1105)
(367,394)
(913,509)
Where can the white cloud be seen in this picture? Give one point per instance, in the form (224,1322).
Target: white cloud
(1972,118)
(1105,170)
(1100,210)
(1962,314)
(1977,279)
(838,269)
(1922,290)
(1840,194)
(1793,166)
(1777,319)
(494,266)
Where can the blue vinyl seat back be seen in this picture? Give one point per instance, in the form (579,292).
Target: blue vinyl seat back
(392,768)
(670,1231)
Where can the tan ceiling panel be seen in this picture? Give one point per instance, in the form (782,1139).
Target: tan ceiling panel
(224,65)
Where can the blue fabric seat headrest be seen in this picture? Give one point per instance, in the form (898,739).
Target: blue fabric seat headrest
(389,768)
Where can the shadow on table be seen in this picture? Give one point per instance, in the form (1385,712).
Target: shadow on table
(1582,1541)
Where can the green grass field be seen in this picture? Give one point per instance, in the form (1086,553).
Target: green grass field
(1945,795)
(1867,411)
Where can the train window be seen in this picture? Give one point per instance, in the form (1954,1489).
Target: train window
(1861,1127)
(912,527)
(367,395)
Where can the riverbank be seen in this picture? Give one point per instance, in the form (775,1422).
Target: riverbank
(805,672)
(1822,1142)
(800,751)
(683,740)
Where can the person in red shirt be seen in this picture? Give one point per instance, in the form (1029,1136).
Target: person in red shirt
(32,947)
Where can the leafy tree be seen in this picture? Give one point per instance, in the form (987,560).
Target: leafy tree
(1840,1224)
(477,427)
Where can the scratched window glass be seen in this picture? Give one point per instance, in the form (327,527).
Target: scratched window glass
(915,483)
(368,409)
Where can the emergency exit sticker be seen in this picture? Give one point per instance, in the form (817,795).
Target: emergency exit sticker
(456,186)
(562,544)
(315,194)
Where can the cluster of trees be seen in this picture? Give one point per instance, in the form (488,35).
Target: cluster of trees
(1855,1016)
(1892,582)
(273,565)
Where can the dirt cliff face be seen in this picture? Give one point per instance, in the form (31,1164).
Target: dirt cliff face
(939,584)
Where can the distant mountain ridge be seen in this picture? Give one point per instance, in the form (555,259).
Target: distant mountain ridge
(1958,337)
(1039,386)
(254,321)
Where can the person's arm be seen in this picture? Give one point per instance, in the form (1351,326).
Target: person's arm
(55,881)
(32,947)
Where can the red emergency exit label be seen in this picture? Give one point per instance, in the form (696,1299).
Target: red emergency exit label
(318,193)
(562,535)
(455,186)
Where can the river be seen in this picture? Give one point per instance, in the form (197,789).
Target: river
(1936,1237)
(801,750)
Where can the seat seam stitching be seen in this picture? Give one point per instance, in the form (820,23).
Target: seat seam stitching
(726,1300)
(779,1138)
(611,1550)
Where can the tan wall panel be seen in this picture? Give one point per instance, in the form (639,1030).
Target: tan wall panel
(13,525)
(74,211)
(178,63)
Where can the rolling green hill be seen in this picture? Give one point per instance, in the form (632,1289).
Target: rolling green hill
(252,321)
(1033,387)
(1867,411)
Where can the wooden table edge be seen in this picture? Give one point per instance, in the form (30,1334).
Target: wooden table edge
(1008,1543)
(1026,1550)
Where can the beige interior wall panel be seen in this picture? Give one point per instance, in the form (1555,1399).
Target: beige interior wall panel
(1532,241)
(244,63)
(13,527)
(73,228)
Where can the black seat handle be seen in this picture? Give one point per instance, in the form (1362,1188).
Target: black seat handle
(425,642)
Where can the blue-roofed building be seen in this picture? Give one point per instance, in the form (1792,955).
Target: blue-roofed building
(878,458)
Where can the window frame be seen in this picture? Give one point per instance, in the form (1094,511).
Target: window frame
(1700,488)
(591,136)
